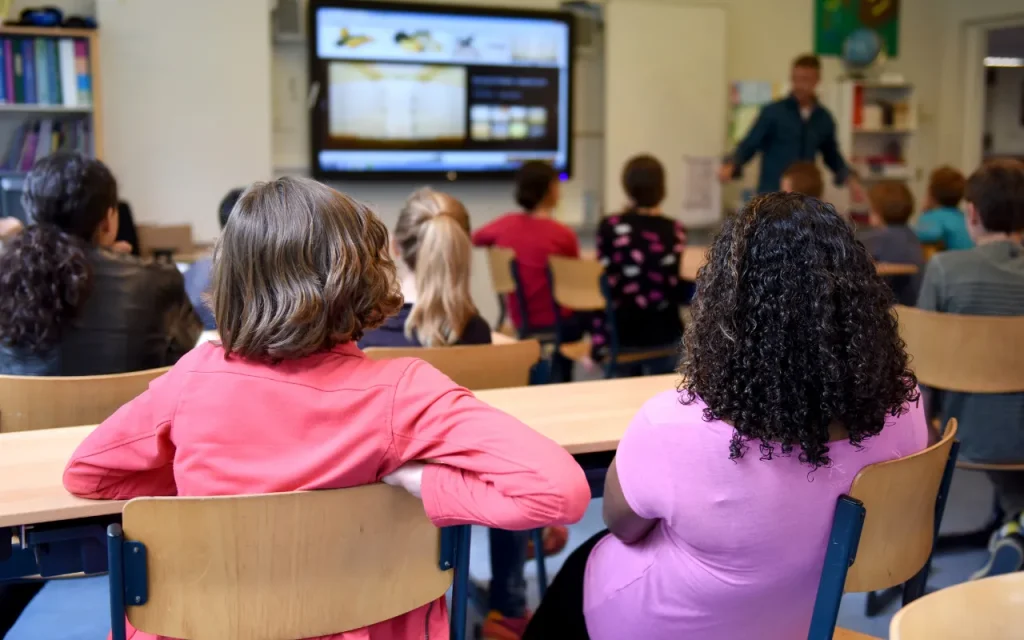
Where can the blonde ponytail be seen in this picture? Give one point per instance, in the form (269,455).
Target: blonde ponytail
(433,236)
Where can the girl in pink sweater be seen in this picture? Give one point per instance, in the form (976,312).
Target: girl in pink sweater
(287,401)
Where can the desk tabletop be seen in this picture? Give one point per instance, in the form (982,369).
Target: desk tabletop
(583,417)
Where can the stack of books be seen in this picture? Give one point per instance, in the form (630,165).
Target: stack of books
(45,71)
(38,138)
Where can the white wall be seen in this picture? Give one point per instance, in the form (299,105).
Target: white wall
(1004,112)
(186,88)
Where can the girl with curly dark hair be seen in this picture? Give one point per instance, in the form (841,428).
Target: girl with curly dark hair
(71,303)
(286,401)
(721,496)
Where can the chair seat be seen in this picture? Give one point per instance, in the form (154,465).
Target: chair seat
(846,634)
(640,354)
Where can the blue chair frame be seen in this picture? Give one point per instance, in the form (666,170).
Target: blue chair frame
(844,539)
(129,576)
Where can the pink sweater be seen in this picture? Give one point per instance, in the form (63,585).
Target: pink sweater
(215,426)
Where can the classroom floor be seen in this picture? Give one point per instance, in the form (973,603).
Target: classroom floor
(77,609)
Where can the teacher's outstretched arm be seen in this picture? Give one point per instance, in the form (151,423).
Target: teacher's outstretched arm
(755,140)
(844,176)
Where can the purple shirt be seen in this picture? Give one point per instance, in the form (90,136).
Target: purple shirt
(739,546)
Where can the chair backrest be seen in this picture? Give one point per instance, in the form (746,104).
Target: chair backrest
(576,283)
(176,238)
(476,367)
(890,269)
(899,497)
(972,354)
(992,609)
(694,258)
(289,565)
(500,262)
(28,403)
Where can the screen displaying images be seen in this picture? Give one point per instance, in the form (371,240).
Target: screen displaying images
(407,89)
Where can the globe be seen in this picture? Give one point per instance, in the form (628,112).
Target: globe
(861,49)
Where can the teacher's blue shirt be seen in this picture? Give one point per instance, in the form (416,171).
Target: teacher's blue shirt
(783,137)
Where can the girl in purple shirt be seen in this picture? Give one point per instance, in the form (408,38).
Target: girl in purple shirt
(721,496)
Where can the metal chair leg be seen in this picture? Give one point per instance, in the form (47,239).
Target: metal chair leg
(115,564)
(542,571)
(460,586)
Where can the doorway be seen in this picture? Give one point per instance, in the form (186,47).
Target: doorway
(1003,114)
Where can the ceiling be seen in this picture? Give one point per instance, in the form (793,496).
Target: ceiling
(1006,43)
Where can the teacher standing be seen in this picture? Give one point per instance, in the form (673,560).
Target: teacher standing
(793,129)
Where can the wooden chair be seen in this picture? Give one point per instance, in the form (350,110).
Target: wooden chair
(969,354)
(287,565)
(992,609)
(480,367)
(500,261)
(28,403)
(892,269)
(476,367)
(884,530)
(694,257)
(579,285)
(165,240)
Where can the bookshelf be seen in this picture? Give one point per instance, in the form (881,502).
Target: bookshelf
(50,95)
(875,126)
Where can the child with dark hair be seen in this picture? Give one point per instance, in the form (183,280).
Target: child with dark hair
(641,250)
(942,222)
(534,236)
(719,491)
(69,304)
(890,240)
(300,274)
(197,278)
(988,280)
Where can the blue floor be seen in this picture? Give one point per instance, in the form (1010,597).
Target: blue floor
(77,609)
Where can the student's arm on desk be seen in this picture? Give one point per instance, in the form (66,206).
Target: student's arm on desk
(130,454)
(485,467)
(638,490)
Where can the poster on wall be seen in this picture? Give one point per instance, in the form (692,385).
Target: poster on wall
(836,20)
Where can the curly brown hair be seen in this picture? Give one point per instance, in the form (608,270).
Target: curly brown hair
(792,332)
(299,268)
(45,277)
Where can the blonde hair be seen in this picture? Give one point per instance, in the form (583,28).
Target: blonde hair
(433,235)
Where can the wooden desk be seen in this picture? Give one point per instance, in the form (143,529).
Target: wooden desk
(583,417)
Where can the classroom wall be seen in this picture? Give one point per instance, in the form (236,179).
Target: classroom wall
(186,93)
(1004,117)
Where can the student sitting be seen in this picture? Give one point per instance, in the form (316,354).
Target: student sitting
(641,250)
(197,278)
(889,239)
(988,280)
(434,255)
(300,273)
(69,306)
(534,237)
(805,178)
(721,496)
(942,222)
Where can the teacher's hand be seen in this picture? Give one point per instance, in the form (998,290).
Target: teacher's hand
(725,172)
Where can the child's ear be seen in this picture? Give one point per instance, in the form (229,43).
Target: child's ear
(973,218)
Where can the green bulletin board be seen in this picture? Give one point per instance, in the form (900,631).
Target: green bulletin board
(834,20)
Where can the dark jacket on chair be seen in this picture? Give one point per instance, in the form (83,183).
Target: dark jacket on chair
(136,317)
